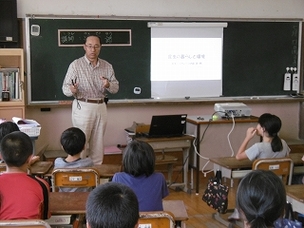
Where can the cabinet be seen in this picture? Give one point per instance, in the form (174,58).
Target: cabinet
(13,58)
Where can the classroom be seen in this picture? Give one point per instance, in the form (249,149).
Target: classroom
(55,118)
(122,114)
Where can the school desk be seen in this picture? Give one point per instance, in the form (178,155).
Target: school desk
(232,168)
(38,168)
(295,195)
(67,203)
(170,143)
(215,134)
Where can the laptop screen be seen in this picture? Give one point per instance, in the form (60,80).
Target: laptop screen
(168,125)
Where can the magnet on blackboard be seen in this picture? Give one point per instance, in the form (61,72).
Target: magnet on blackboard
(137,90)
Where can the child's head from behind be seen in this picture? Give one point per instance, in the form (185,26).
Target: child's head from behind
(73,140)
(270,123)
(139,159)
(7,127)
(16,148)
(261,198)
(112,205)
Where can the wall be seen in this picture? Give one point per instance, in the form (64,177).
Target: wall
(58,119)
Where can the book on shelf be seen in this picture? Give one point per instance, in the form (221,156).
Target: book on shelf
(10,81)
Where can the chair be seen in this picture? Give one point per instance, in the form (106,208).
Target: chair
(24,223)
(156,219)
(280,166)
(74,178)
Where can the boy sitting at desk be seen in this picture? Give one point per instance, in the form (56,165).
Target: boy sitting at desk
(21,196)
(73,142)
(7,127)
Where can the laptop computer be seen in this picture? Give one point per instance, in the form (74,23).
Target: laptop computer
(167,126)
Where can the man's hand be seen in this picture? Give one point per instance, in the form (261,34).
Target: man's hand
(105,82)
(74,88)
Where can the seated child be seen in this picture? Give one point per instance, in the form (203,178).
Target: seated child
(9,127)
(138,165)
(21,196)
(260,198)
(112,205)
(73,142)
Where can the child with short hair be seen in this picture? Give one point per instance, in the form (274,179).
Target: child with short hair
(21,196)
(7,127)
(73,142)
(112,205)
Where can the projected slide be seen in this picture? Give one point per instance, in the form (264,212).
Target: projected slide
(186,60)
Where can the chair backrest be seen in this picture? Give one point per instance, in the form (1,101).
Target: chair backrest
(281,166)
(24,223)
(74,178)
(156,219)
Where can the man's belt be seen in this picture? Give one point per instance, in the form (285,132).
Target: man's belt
(97,101)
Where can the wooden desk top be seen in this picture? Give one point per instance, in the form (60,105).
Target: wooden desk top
(232,163)
(164,139)
(65,203)
(178,209)
(107,170)
(38,168)
(296,192)
(206,120)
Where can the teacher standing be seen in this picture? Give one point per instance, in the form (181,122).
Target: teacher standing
(88,79)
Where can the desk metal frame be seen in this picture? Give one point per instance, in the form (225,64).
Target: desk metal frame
(204,120)
(163,144)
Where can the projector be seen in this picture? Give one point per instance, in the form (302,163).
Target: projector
(235,109)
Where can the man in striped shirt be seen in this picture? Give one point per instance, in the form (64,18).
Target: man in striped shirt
(88,79)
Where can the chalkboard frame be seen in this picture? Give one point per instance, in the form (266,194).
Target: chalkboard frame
(146,20)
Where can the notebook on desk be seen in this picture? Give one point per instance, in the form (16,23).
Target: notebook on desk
(167,126)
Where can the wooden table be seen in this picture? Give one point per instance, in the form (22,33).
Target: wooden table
(66,203)
(107,170)
(232,168)
(169,143)
(38,168)
(177,207)
(295,195)
(215,141)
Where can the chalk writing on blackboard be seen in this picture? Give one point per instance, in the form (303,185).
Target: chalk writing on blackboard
(109,37)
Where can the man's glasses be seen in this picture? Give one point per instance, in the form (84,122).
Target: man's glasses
(95,47)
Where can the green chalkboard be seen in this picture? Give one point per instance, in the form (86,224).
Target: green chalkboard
(255,55)
(50,56)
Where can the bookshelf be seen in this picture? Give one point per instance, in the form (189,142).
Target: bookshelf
(12,61)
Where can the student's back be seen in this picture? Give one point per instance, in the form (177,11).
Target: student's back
(21,196)
(73,142)
(149,187)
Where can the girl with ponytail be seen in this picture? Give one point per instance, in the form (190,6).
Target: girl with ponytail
(260,199)
(271,145)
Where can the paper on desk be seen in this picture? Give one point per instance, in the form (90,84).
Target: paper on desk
(25,122)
